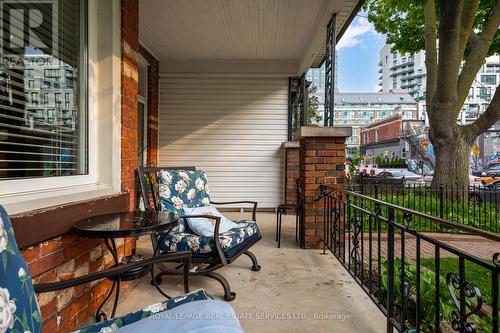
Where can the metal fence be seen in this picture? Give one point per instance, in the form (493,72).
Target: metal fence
(422,282)
(478,207)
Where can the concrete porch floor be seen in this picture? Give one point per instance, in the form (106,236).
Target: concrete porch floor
(292,281)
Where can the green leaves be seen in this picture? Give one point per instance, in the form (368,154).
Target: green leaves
(312,106)
(427,292)
(403,22)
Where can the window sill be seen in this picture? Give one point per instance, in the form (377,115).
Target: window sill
(25,202)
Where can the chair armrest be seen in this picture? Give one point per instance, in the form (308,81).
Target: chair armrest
(254,203)
(53,286)
(216,234)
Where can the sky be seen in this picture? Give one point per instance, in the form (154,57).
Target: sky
(358,56)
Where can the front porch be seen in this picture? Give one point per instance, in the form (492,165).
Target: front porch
(220,86)
(296,290)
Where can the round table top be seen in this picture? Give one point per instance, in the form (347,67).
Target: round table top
(129,224)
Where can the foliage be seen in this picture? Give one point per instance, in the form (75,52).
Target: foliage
(457,36)
(313,116)
(478,275)
(428,290)
(403,22)
(387,162)
(427,201)
(356,160)
(427,293)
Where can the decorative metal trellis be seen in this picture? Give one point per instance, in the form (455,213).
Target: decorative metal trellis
(330,71)
(297,104)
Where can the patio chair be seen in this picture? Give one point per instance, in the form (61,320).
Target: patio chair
(175,189)
(20,312)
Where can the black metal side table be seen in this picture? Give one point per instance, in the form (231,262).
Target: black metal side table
(283,209)
(122,225)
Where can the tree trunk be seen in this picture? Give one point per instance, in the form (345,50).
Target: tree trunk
(452,159)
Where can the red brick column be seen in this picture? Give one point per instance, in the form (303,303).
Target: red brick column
(321,160)
(291,152)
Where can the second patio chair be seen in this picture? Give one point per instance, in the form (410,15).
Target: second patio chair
(180,190)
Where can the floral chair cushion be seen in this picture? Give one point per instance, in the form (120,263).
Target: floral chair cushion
(19,310)
(183,188)
(112,325)
(178,240)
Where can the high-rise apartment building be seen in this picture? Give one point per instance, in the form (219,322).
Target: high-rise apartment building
(407,72)
(50,93)
(317,76)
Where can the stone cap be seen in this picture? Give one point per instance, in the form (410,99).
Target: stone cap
(314,131)
(291,144)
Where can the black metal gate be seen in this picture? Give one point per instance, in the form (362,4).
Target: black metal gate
(421,282)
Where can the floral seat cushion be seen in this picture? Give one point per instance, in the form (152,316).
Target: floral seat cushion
(114,324)
(19,310)
(180,239)
(183,188)
(180,189)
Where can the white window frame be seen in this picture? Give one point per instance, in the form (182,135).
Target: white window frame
(26,185)
(144,101)
(104,150)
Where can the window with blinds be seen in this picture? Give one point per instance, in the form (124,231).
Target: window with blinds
(43,109)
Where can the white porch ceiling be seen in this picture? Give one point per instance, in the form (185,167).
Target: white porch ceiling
(238,36)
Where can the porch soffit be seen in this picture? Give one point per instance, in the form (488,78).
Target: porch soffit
(281,37)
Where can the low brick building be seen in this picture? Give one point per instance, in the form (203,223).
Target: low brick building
(386,137)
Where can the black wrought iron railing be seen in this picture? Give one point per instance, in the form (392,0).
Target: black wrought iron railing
(422,282)
(478,207)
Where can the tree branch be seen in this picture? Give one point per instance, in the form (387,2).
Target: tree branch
(480,44)
(487,119)
(430,50)
(468,16)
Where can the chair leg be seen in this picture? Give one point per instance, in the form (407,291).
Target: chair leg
(228,294)
(279,229)
(277,216)
(255,263)
(296,224)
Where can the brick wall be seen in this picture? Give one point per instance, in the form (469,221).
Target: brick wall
(291,151)
(66,257)
(321,160)
(387,129)
(152,127)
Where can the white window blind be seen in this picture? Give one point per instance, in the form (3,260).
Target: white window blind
(43,50)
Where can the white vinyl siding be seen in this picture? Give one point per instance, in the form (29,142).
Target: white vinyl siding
(232,128)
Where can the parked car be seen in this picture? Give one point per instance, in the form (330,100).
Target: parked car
(473,180)
(490,177)
(495,168)
(399,175)
(428,177)
(485,193)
